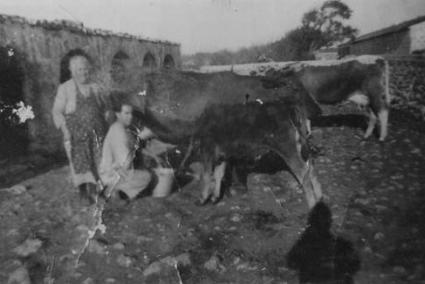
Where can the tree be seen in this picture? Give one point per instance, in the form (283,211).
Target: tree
(322,27)
(325,26)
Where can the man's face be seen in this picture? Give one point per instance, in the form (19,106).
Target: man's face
(125,116)
(80,69)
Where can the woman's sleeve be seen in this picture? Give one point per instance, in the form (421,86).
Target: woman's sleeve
(59,108)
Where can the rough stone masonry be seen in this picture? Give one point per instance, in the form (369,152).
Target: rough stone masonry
(35,50)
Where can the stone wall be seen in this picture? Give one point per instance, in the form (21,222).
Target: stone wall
(407,85)
(40,46)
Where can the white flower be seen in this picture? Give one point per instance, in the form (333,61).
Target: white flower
(23,112)
(142,93)
(10,52)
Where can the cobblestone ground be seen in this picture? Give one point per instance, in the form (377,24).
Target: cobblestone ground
(375,192)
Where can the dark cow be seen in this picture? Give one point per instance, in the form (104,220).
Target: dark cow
(363,80)
(227,132)
(217,111)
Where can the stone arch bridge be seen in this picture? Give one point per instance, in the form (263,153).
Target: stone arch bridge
(35,50)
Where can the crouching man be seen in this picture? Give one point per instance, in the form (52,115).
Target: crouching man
(120,145)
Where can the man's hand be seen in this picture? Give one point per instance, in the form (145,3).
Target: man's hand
(146,133)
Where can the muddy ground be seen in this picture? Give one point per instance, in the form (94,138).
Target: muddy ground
(375,192)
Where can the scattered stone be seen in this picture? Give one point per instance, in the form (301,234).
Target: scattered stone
(378,236)
(236,218)
(28,247)
(213,264)
(118,246)
(19,276)
(164,264)
(12,232)
(380,208)
(88,281)
(246,267)
(141,239)
(267,189)
(82,228)
(96,247)
(367,249)
(124,261)
(399,270)
(17,189)
(184,259)
(362,201)
(76,275)
(110,281)
(153,268)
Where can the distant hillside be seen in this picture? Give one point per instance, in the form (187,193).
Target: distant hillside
(320,27)
(259,53)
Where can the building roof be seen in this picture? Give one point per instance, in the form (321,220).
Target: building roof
(76,27)
(391,29)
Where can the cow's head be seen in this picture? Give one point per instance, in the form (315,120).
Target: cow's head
(278,78)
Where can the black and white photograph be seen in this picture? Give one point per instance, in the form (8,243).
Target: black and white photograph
(212,141)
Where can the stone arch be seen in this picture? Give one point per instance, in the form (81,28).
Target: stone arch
(14,137)
(65,73)
(168,62)
(149,62)
(119,66)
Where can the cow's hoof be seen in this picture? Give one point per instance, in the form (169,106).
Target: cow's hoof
(104,194)
(200,202)
(215,200)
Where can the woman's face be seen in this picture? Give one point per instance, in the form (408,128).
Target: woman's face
(80,69)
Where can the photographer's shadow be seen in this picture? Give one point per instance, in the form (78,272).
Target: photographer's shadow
(321,257)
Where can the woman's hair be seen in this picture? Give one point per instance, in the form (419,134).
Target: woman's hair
(65,73)
(119,99)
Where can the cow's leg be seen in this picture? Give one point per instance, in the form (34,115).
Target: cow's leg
(206,178)
(312,187)
(303,171)
(308,126)
(371,124)
(306,177)
(239,176)
(219,172)
(383,122)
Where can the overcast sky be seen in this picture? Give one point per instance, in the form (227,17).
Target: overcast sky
(208,25)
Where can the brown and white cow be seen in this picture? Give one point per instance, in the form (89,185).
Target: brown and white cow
(212,109)
(363,80)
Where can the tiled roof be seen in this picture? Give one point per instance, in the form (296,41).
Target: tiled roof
(391,29)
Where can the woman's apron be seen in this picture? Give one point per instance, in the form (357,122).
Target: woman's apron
(87,129)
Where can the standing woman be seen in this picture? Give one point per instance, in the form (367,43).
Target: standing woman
(78,111)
